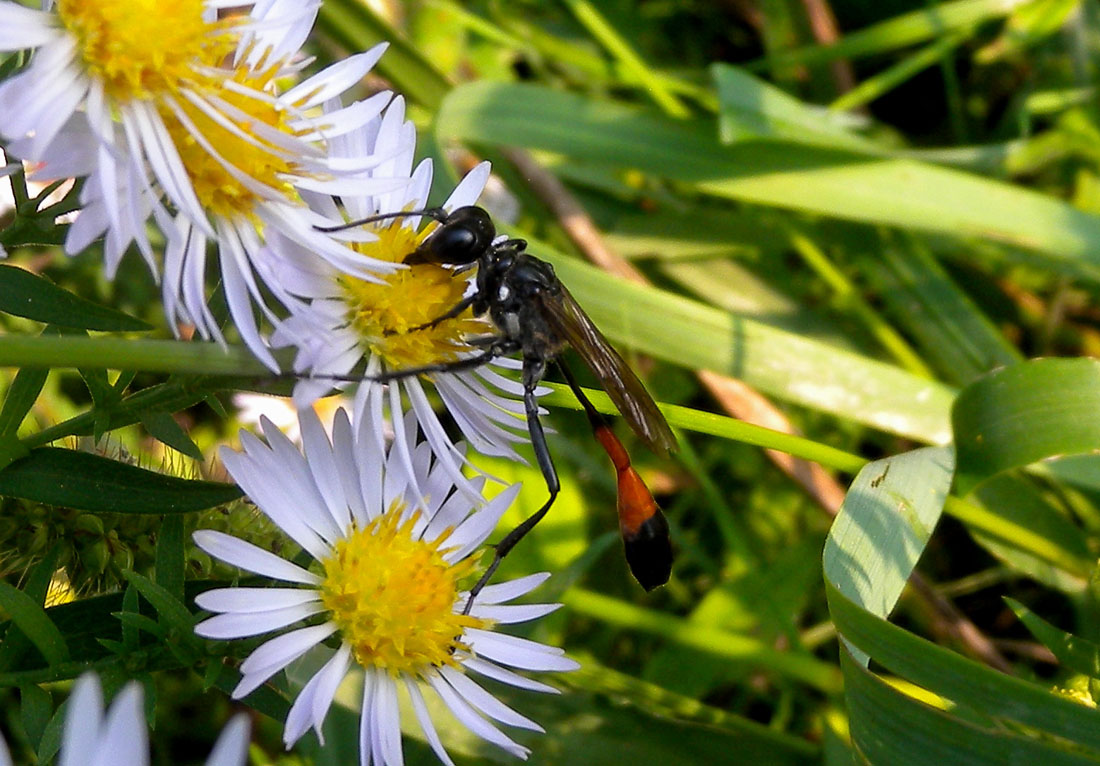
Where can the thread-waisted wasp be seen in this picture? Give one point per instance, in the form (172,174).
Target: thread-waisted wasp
(536,316)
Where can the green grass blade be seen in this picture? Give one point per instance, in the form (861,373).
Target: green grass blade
(884,524)
(1021,414)
(897,192)
(890,727)
(898,32)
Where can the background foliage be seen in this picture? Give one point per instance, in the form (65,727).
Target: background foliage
(872,214)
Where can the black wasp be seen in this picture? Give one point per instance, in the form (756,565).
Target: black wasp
(536,316)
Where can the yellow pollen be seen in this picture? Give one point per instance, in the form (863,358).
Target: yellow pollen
(385,315)
(218,190)
(141,48)
(394,597)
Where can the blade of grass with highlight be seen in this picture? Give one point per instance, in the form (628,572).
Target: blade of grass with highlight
(812,179)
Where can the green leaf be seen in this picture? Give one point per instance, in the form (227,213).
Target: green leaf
(1018,415)
(890,727)
(960,680)
(89,482)
(130,605)
(11,449)
(27,295)
(884,524)
(35,624)
(16,644)
(163,427)
(1074,652)
(21,396)
(170,556)
(925,302)
(752,108)
(36,709)
(824,181)
(1017,499)
(171,609)
(132,621)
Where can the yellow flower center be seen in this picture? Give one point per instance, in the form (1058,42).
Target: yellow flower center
(218,190)
(394,597)
(389,317)
(139,48)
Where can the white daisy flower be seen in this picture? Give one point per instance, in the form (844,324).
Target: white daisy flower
(387,584)
(175,113)
(345,323)
(119,737)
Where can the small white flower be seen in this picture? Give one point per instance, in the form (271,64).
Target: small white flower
(345,323)
(392,544)
(119,737)
(175,113)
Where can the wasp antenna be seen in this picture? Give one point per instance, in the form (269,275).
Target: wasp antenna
(435,213)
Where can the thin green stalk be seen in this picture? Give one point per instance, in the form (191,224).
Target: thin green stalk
(624,53)
(720,643)
(890,78)
(886,335)
(114,353)
(725,427)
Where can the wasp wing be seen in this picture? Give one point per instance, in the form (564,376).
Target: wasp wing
(571,324)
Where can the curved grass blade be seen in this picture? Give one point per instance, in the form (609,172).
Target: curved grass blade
(1021,414)
(883,526)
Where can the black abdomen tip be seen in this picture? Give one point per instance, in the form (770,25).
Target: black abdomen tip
(649,552)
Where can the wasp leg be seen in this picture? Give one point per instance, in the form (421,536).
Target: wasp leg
(452,312)
(533,370)
(499,348)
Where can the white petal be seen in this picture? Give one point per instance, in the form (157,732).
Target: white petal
(125,737)
(252,558)
(506,591)
(322,464)
(274,655)
(335,79)
(505,676)
(486,702)
(387,718)
(512,614)
(223,627)
(231,749)
(472,721)
(25,27)
(425,721)
(475,530)
(251,600)
(518,652)
(470,187)
(82,721)
(313,702)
